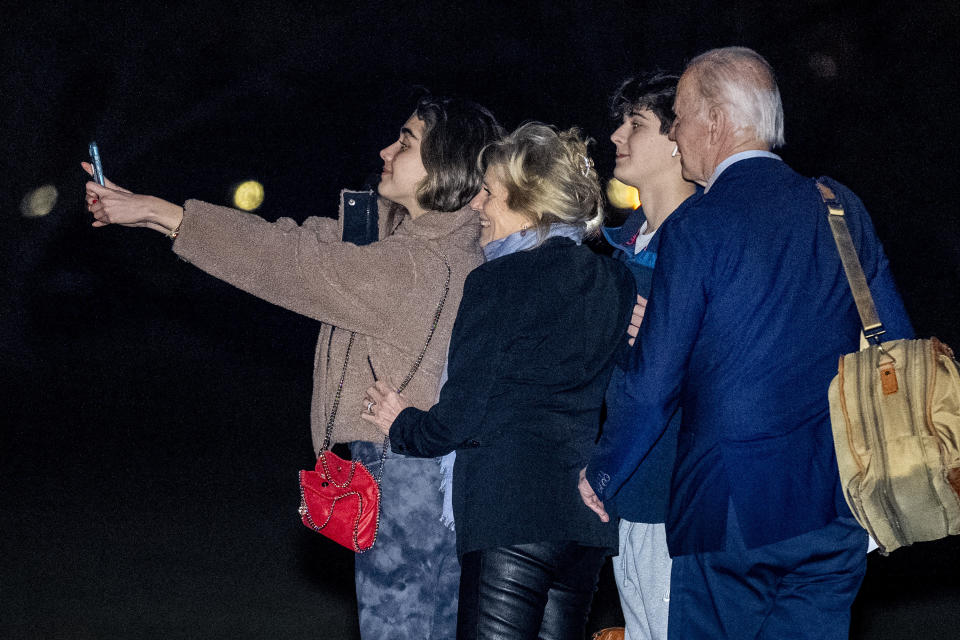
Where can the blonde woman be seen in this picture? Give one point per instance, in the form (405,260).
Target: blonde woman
(532,349)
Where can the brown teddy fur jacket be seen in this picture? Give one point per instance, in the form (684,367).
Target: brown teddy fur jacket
(386,293)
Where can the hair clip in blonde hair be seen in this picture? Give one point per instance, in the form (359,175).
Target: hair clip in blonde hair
(586,165)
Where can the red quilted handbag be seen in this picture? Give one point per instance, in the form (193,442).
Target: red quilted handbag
(341,500)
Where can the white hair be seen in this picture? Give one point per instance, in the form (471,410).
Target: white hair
(741,82)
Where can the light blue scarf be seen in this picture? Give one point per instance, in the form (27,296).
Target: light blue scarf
(514,242)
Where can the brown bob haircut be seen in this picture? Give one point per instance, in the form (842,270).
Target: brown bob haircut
(456,130)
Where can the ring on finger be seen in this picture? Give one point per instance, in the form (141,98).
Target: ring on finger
(370,405)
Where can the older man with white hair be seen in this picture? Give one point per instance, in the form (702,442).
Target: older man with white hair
(748,313)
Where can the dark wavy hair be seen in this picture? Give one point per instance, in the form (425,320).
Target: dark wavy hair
(455,132)
(654,91)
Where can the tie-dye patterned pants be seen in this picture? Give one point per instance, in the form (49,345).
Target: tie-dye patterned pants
(407,583)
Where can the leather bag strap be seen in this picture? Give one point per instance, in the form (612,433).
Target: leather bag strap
(870,321)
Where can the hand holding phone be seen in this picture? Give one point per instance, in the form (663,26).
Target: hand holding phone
(95,162)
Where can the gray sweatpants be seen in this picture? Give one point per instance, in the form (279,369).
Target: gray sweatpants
(642,572)
(407,584)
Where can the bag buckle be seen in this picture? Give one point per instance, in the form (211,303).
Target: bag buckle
(872,334)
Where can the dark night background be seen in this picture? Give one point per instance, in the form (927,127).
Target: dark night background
(154,418)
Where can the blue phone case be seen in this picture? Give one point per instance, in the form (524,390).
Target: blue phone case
(95,161)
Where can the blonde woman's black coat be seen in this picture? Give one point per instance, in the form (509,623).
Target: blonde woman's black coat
(532,349)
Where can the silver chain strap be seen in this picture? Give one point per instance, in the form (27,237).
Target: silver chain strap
(406,381)
(433,328)
(336,396)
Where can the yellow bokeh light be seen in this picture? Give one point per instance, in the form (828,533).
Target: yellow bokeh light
(248,195)
(621,195)
(39,202)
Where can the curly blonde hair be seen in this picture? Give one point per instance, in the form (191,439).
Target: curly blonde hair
(548,176)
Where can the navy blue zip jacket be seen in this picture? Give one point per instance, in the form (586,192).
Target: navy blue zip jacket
(644,496)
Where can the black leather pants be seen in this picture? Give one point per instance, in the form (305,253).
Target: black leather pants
(528,591)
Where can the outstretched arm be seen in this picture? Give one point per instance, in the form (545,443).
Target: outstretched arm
(373,289)
(112,204)
(304,268)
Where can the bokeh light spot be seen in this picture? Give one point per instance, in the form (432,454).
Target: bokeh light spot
(39,202)
(248,195)
(622,196)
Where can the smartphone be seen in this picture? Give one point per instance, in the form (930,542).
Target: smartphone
(95,161)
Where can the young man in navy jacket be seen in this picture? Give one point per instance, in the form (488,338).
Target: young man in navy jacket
(648,161)
(749,311)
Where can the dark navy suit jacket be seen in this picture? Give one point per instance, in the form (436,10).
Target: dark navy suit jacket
(749,312)
(644,496)
(531,353)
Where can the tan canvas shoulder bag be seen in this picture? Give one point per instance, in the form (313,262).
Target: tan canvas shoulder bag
(895,411)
